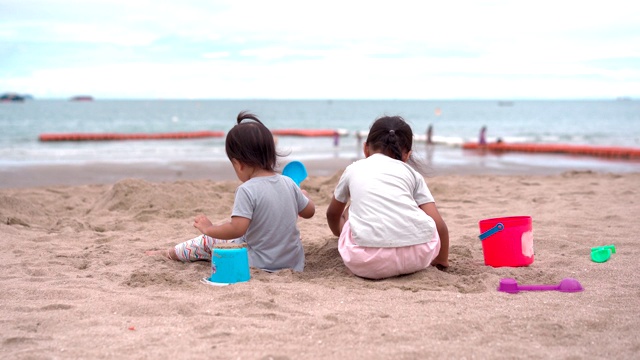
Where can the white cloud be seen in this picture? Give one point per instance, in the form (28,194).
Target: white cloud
(351,49)
(216,55)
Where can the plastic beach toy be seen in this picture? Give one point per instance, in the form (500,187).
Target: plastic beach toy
(511,286)
(507,241)
(229,264)
(296,171)
(601,254)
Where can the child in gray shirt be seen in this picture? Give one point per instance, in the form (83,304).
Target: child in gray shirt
(265,210)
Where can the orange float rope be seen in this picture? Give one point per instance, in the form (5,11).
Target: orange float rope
(599,151)
(134,136)
(306,132)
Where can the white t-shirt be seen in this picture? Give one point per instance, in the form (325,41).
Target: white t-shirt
(385,194)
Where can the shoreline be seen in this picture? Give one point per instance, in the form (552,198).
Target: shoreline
(443,163)
(25,176)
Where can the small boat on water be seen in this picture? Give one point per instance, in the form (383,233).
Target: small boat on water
(82,98)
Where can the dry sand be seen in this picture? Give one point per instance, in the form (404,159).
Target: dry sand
(76,283)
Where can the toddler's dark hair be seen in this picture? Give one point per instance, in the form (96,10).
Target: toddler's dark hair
(251,143)
(390,135)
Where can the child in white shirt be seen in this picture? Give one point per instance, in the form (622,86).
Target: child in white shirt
(392,226)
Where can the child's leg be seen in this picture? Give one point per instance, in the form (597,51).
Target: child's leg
(198,248)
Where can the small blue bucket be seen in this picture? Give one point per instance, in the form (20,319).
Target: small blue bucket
(229,264)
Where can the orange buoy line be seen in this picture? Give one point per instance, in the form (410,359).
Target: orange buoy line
(600,151)
(308,132)
(136,136)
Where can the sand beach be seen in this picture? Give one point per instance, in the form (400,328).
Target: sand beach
(76,283)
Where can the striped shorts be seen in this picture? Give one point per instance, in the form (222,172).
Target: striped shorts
(198,248)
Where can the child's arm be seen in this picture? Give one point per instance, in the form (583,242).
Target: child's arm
(233,229)
(443,257)
(310,209)
(334,216)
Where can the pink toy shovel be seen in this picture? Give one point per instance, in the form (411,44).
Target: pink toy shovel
(511,286)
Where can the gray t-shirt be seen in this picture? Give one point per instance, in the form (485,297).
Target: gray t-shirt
(273,239)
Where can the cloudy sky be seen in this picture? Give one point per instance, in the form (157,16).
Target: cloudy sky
(275,49)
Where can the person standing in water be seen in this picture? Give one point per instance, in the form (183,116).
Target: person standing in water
(482,139)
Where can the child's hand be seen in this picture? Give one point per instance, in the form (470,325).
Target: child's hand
(202,223)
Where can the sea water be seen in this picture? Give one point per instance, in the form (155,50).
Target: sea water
(605,122)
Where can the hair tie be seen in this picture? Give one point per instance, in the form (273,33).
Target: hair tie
(392,132)
(247,120)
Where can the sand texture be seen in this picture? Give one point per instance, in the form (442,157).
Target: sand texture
(76,283)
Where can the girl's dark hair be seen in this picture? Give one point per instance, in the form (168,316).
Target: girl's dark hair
(390,135)
(251,143)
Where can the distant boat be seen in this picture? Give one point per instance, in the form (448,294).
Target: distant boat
(82,98)
(11,97)
(505,103)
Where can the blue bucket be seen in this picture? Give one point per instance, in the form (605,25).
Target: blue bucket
(229,264)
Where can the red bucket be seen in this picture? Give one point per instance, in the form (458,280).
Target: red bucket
(507,241)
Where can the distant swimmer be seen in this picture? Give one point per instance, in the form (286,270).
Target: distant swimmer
(482,140)
(429,134)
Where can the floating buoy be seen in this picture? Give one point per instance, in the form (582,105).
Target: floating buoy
(134,136)
(599,151)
